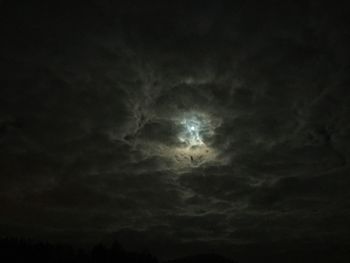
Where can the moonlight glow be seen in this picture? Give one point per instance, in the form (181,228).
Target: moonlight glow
(194,133)
(191,134)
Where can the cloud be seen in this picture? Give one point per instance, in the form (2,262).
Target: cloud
(91,111)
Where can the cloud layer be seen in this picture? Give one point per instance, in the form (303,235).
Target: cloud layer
(91,94)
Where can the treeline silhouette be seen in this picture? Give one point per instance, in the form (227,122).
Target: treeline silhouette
(202,258)
(20,250)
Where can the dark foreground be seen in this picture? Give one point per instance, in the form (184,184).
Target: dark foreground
(25,250)
(19,250)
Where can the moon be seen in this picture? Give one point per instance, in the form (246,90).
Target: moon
(193,133)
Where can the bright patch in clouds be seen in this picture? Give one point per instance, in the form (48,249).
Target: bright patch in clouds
(191,133)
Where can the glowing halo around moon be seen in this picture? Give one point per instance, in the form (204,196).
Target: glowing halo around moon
(191,134)
(195,128)
(193,144)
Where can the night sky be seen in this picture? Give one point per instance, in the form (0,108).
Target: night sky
(177,126)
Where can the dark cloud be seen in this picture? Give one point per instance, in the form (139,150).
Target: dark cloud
(92,97)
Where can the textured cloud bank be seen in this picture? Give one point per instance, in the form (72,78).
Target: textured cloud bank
(91,100)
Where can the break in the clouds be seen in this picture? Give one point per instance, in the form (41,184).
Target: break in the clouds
(218,125)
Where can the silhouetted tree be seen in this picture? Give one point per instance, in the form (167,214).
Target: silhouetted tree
(15,250)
